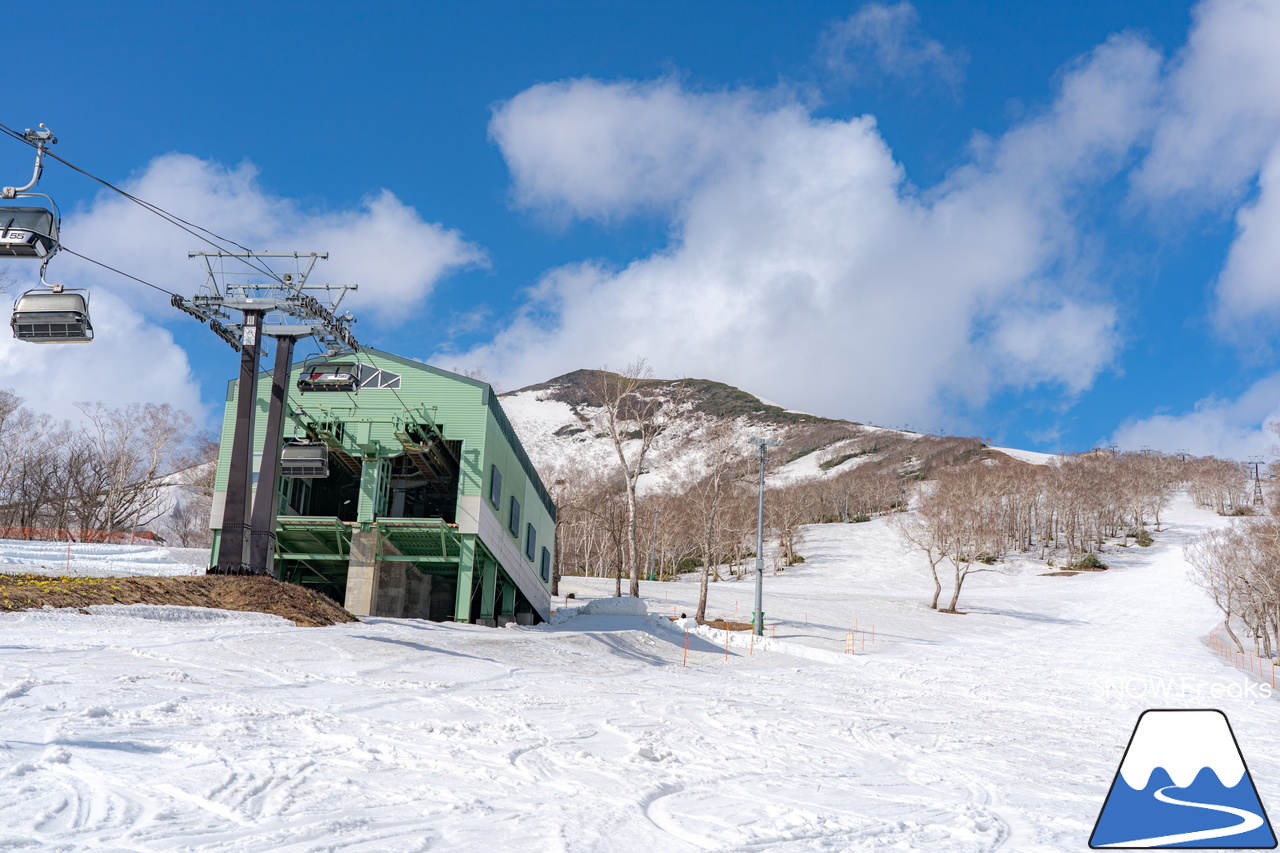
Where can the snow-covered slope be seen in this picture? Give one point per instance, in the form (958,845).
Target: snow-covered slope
(99,560)
(1029,456)
(554,421)
(146,729)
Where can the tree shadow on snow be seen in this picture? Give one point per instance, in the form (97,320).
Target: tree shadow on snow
(1026,615)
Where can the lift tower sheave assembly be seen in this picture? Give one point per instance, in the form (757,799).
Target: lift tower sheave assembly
(283,308)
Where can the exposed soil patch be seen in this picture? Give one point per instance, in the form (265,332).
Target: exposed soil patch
(303,607)
(722,625)
(1059,574)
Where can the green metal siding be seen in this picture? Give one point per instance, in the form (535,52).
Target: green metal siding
(464,409)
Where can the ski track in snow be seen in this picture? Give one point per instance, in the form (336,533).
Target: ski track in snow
(171,729)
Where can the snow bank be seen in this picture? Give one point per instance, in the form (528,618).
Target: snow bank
(623,606)
(20,556)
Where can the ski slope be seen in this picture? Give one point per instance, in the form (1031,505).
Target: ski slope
(90,559)
(165,729)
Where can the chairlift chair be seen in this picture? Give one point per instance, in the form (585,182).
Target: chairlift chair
(304,460)
(329,376)
(27,232)
(52,317)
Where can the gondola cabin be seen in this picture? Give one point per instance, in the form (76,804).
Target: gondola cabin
(304,460)
(27,232)
(48,317)
(330,376)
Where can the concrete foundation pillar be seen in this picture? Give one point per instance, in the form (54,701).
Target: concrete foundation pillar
(392,585)
(417,594)
(362,573)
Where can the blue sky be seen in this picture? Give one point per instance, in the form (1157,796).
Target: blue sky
(1042,223)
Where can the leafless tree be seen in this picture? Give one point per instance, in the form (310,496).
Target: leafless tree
(134,447)
(632,413)
(928,538)
(707,497)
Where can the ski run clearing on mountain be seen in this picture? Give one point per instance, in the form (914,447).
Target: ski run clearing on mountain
(163,728)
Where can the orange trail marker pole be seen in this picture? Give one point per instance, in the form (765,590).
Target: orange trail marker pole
(686,646)
(751,648)
(68,558)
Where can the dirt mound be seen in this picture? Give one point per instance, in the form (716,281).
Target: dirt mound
(303,607)
(722,625)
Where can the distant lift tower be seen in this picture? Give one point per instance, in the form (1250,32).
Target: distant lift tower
(1256,463)
(283,307)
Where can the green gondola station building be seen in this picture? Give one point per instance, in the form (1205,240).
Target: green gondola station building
(404,492)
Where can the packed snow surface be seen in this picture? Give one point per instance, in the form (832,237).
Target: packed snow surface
(144,729)
(99,560)
(1030,456)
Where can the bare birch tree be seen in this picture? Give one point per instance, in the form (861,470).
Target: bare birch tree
(632,413)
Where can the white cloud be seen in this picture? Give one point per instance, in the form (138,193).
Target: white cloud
(1221,113)
(1247,291)
(1218,130)
(587,149)
(129,361)
(1231,429)
(383,245)
(802,264)
(888,40)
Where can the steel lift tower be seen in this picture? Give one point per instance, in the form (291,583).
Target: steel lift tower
(286,308)
(1256,463)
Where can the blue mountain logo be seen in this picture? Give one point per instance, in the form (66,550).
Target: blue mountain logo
(1183,783)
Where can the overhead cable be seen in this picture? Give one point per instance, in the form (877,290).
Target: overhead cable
(190,227)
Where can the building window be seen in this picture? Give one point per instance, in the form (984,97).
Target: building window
(513,523)
(375,379)
(546,566)
(495,486)
(530,542)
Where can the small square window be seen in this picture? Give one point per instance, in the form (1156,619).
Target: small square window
(530,542)
(495,486)
(546,566)
(513,523)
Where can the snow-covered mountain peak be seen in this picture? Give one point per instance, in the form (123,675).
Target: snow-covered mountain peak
(558,424)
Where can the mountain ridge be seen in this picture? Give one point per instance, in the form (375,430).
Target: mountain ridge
(556,421)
